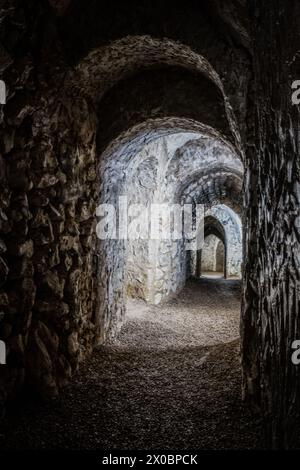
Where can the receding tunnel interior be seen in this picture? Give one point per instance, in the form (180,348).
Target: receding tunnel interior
(164,163)
(149,225)
(212,257)
(176,146)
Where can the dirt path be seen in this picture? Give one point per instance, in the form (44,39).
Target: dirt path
(170,380)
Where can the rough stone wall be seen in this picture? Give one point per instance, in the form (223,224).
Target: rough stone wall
(62,231)
(49,253)
(47,223)
(20,128)
(270,318)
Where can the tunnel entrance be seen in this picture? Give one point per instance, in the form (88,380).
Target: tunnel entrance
(222,253)
(166,167)
(153,305)
(213,257)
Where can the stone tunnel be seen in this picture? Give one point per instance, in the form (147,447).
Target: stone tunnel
(152,103)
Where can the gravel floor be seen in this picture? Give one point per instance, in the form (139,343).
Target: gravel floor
(205,313)
(170,380)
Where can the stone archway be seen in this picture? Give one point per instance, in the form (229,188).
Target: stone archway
(60,267)
(213,256)
(157,161)
(208,256)
(233,238)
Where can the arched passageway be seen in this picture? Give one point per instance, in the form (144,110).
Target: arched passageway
(223,222)
(213,257)
(166,165)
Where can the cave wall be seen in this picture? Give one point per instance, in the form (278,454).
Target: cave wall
(47,203)
(270,314)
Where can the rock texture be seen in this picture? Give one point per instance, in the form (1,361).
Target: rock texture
(270,321)
(88,88)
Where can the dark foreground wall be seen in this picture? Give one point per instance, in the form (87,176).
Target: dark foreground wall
(271,317)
